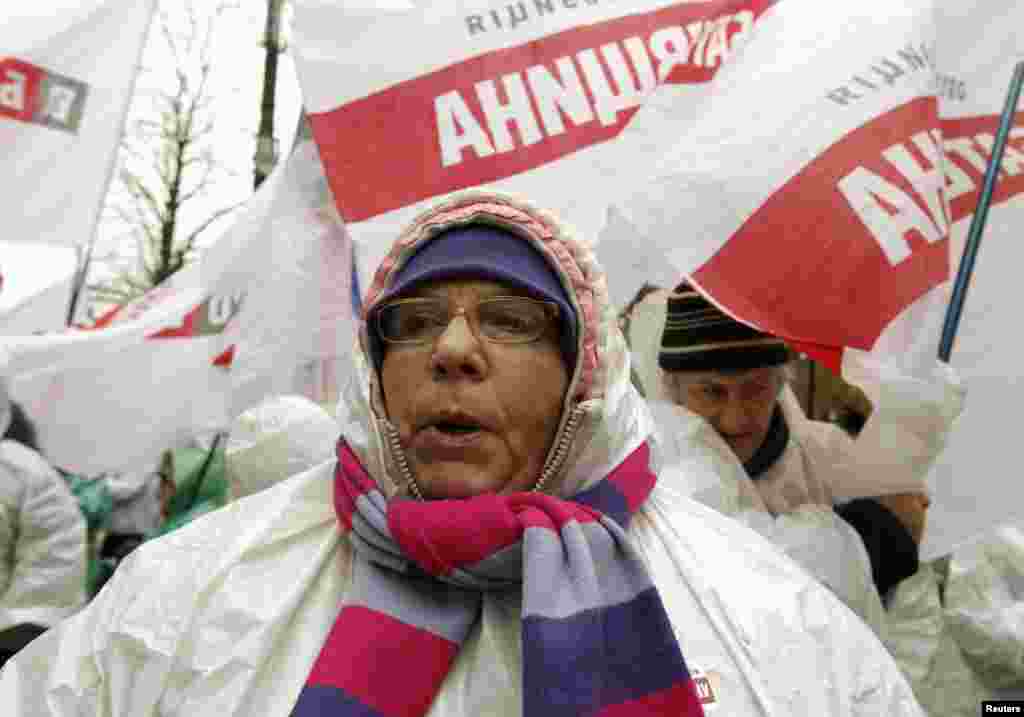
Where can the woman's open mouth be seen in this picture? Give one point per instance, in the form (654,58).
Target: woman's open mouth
(451,427)
(441,438)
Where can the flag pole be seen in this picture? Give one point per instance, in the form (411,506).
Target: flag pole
(963,276)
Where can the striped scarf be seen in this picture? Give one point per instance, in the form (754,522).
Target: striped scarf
(596,638)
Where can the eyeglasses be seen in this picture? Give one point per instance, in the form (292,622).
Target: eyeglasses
(502,319)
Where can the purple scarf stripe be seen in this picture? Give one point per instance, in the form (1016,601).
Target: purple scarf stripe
(607,498)
(600,658)
(319,700)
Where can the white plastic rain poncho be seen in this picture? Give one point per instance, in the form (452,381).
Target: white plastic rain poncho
(926,648)
(42,541)
(956,627)
(281,437)
(42,536)
(227,615)
(791,505)
(984,606)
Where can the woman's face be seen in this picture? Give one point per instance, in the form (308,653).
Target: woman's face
(739,406)
(474,416)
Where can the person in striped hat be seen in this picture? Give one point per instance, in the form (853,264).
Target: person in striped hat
(734,376)
(494,537)
(951,624)
(810,533)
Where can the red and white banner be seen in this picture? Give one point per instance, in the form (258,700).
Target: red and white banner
(524,97)
(764,148)
(829,147)
(846,245)
(220,336)
(804,192)
(67,69)
(806,162)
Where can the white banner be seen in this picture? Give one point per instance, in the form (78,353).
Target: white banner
(974,486)
(296,331)
(42,312)
(66,75)
(218,337)
(34,301)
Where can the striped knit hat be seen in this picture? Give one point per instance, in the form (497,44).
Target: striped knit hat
(698,336)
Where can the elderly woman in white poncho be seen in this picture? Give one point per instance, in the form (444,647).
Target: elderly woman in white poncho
(492,540)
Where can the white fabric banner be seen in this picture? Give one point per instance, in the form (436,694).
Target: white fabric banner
(66,75)
(973,486)
(41,312)
(220,336)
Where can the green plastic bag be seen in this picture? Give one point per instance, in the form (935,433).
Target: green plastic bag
(94,499)
(201,485)
(96,504)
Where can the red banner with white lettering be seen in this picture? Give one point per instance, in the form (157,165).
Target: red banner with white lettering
(526,97)
(514,109)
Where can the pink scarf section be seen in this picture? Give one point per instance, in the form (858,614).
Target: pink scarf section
(596,638)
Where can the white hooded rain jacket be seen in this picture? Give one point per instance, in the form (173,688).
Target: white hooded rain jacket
(226,615)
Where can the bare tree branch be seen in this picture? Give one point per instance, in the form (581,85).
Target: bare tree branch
(168,160)
(194,235)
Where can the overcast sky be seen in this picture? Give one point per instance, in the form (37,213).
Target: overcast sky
(238,80)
